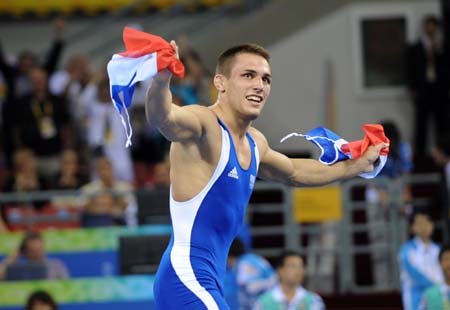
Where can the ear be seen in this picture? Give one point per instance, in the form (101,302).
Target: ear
(219,83)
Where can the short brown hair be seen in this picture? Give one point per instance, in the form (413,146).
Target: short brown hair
(226,58)
(29,236)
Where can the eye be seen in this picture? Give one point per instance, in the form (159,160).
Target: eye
(267,80)
(248,75)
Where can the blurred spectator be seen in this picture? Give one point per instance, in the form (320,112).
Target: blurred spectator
(25,178)
(438,296)
(32,250)
(289,294)
(106,133)
(399,164)
(419,262)
(428,82)
(109,197)
(248,276)
(71,84)
(161,174)
(41,300)
(18,80)
(195,87)
(69,176)
(42,124)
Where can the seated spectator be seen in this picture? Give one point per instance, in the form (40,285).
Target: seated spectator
(161,174)
(438,297)
(289,294)
(248,276)
(69,176)
(32,250)
(18,82)
(103,209)
(123,207)
(25,178)
(42,124)
(41,300)
(419,262)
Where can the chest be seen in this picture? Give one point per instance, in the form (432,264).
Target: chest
(242,149)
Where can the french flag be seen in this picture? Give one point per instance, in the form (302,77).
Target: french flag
(145,56)
(334,148)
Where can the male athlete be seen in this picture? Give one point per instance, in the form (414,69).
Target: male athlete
(215,157)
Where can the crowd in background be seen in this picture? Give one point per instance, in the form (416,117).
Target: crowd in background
(61,132)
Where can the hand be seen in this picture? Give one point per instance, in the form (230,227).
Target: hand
(370,158)
(165,75)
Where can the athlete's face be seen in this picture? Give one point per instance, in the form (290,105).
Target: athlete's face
(248,84)
(292,271)
(445,265)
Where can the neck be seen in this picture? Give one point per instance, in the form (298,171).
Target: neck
(425,240)
(235,123)
(40,95)
(108,183)
(288,291)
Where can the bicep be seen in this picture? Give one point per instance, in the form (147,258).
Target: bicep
(275,166)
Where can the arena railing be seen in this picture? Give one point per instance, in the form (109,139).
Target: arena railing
(332,249)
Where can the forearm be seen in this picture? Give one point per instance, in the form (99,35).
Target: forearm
(158,103)
(313,172)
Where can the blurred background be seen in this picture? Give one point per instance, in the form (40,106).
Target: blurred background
(84,220)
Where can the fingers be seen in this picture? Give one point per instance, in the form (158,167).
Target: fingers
(380,146)
(175,47)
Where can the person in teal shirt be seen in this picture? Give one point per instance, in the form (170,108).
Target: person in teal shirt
(289,294)
(438,297)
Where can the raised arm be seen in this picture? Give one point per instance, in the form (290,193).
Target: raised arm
(298,172)
(176,123)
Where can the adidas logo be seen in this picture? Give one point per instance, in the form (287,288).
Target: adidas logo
(233,174)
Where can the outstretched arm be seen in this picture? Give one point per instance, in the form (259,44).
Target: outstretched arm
(298,172)
(176,123)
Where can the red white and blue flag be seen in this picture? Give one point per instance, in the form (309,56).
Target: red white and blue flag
(145,56)
(334,148)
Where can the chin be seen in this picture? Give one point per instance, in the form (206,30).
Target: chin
(253,115)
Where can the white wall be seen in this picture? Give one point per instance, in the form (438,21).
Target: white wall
(298,64)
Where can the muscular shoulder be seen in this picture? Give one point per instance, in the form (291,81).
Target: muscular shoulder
(204,114)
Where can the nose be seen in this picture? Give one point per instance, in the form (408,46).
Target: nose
(259,84)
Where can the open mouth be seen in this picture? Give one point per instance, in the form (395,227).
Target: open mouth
(254,98)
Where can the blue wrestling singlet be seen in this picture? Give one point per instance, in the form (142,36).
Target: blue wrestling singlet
(192,269)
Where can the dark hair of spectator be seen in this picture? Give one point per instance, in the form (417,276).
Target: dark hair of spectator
(43,297)
(433,19)
(227,57)
(285,254)
(31,235)
(417,213)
